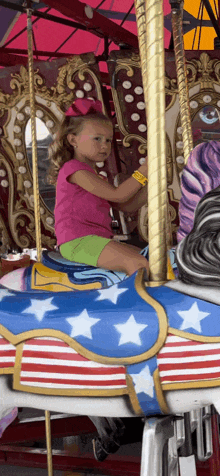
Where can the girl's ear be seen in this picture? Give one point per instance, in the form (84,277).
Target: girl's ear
(71,139)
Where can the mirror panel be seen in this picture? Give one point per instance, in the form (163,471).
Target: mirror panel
(206,125)
(44,138)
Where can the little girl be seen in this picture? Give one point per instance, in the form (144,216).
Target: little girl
(83,198)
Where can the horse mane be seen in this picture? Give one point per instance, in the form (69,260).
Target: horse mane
(198,254)
(200,175)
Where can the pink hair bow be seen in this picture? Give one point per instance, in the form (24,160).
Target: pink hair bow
(82,107)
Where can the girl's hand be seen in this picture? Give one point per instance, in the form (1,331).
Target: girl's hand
(144,168)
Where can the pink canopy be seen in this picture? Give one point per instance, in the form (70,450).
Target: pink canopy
(70,38)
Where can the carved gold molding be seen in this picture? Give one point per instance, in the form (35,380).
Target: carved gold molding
(203,71)
(57,93)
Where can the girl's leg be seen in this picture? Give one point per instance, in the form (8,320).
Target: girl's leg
(121,257)
(132,247)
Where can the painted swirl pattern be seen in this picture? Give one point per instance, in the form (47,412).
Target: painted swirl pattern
(200,175)
(198,254)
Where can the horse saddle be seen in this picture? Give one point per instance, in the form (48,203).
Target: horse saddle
(56,273)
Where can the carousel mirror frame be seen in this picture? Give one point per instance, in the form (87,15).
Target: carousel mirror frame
(17,171)
(56,87)
(197,103)
(204,89)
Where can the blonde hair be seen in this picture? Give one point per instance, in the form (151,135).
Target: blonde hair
(60,151)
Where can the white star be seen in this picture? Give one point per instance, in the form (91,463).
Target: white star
(81,325)
(144,382)
(192,318)
(40,307)
(130,331)
(111,293)
(4,293)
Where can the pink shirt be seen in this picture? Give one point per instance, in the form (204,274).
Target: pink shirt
(78,212)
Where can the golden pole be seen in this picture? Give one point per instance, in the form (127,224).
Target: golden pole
(48,441)
(36,197)
(33,136)
(149,15)
(176,17)
(140,6)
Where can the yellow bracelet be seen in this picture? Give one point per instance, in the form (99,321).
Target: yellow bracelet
(139,177)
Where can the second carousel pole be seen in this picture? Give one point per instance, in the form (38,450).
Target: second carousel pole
(149,15)
(36,198)
(33,136)
(176,16)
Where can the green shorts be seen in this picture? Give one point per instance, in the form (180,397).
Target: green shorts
(84,250)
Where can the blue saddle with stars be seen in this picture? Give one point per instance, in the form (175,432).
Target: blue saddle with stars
(122,322)
(126,324)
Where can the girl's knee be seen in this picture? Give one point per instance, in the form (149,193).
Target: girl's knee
(138,263)
(142,261)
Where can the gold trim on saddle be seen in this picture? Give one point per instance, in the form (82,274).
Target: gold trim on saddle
(190,336)
(133,396)
(48,279)
(191,384)
(161,313)
(159,392)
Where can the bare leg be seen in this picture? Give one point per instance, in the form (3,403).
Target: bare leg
(121,257)
(132,247)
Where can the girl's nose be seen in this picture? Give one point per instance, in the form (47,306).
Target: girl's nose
(104,145)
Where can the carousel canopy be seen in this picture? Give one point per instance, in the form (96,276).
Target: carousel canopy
(62,28)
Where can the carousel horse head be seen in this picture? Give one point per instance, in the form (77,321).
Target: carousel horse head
(200,175)
(198,254)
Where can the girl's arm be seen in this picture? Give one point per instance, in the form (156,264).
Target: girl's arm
(95,185)
(134,203)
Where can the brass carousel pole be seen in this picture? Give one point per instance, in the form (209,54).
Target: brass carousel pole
(33,136)
(36,197)
(176,16)
(48,440)
(149,15)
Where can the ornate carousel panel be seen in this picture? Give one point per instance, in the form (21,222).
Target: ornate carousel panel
(57,85)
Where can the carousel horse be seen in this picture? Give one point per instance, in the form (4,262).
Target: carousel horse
(200,175)
(83,340)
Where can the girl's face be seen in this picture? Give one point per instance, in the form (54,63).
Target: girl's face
(93,143)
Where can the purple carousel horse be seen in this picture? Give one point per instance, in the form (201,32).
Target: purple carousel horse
(200,175)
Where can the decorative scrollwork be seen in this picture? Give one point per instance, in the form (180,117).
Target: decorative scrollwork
(171,90)
(203,71)
(58,93)
(127,63)
(65,74)
(67,79)
(20,84)
(130,137)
